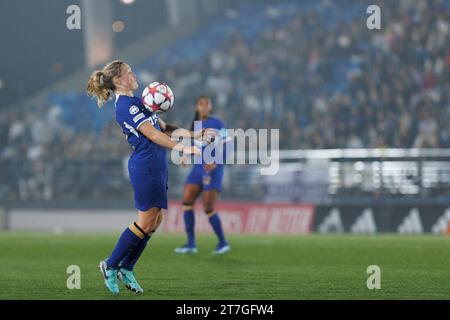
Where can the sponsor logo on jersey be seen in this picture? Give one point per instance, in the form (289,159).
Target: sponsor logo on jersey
(134,109)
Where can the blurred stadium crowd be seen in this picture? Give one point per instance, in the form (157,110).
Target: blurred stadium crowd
(324,79)
(338,85)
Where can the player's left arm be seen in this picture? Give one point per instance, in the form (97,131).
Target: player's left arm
(169,128)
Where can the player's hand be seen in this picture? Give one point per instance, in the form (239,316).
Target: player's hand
(209,167)
(199,134)
(206,134)
(183,160)
(191,150)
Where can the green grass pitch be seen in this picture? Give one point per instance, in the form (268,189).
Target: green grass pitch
(33,266)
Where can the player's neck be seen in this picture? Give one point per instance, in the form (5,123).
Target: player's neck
(124,93)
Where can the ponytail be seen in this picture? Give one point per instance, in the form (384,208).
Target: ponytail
(100,85)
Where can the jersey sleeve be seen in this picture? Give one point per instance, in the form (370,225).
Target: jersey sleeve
(132,116)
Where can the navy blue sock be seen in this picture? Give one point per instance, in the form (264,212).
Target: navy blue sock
(128,241)
(214,220)
(132,257)
(189,223)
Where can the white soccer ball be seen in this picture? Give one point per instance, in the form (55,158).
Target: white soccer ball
(158,97)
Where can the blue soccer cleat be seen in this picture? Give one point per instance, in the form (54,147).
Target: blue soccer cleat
(110,276)
(186,250)
(130,282)
(222,248)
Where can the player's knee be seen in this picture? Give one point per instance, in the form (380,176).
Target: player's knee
(152,228)
(208,206)
(159,220)
(147,227)
(187,205)
(149,220)
(210,211)
(189,198)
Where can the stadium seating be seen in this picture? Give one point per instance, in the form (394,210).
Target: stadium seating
(311,68)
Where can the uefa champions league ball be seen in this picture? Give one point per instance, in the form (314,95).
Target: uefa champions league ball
(158,97)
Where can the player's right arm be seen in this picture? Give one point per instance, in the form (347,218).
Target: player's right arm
(163,140)
(132,119)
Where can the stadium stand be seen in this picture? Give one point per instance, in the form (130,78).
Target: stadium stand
(304,67)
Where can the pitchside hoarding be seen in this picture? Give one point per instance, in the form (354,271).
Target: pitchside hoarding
(382,219)
(248,218)
(253,218)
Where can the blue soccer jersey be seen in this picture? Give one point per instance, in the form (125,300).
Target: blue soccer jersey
(147,165)
(130,115)
(198,175)
(211,123)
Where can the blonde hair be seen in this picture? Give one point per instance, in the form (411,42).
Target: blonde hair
(101,85)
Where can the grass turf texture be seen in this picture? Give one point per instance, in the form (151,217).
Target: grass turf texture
(258,267)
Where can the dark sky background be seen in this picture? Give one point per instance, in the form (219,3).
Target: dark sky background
(141,18)
(34,37)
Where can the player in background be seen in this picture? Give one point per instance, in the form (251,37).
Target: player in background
(206,178)
(149,137)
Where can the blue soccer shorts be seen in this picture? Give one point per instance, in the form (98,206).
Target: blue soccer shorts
(150,189)
(206,180)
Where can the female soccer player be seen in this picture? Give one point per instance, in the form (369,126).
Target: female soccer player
(206,178)
(148,136)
